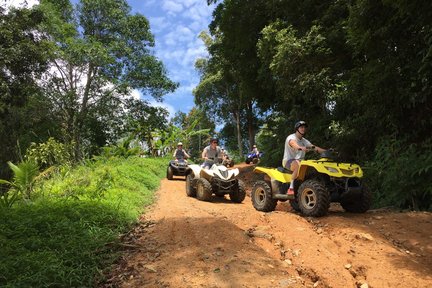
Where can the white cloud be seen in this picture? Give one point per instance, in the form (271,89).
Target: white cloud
(198,12)
(172,7)
(181,34)
(136,94)
(158,24)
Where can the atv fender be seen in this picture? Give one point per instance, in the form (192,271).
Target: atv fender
(195,170)
(274,174)
(333,169)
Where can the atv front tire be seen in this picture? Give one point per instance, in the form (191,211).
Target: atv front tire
(190,190)
(170,173)
(204,190)
(294,204)
(313,198)
(361,205)
(239,192)
(262,197)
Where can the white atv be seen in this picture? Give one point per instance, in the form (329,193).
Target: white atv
(219,180)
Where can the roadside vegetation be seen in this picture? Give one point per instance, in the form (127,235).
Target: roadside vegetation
(66,234)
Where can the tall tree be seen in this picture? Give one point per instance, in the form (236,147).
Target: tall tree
(102,52)
(23,58)
(238,25)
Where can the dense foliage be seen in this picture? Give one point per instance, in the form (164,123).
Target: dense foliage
(357,71)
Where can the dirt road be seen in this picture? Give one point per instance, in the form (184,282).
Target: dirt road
(183,242)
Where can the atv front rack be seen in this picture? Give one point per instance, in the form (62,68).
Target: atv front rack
(224,184)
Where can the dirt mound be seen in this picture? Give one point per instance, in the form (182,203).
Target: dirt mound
(183,242)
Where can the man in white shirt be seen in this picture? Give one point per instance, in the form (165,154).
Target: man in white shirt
(295,150)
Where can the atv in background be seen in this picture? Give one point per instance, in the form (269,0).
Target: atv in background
(253,157)
(319,182)
(177,168)
(202,183)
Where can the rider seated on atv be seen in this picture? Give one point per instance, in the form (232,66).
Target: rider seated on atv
(180,153)
(255,150)
(295,149)
(211,154)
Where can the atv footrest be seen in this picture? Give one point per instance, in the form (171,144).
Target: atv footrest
(283,197)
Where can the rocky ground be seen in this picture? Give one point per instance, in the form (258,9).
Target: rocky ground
(184,242)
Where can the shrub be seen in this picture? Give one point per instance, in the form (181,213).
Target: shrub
(49,153)
(399,174)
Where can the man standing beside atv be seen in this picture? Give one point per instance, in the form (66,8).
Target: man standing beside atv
(180,153)
(211,153)
(295,150)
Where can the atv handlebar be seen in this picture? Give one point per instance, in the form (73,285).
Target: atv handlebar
(310,148)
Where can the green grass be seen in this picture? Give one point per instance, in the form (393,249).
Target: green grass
(68,235)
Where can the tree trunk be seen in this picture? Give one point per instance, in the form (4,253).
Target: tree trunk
(250,124)
(238,130)
(82,114)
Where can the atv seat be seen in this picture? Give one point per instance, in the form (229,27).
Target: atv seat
(284,170)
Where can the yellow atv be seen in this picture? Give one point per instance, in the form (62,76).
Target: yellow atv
(319,182)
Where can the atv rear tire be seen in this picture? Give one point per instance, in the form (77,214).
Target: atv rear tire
(239,193)
(313,198)
(204,190)
(170,173)
(360,206)
(190,190)
(247,161)
(262,197)
(231,164)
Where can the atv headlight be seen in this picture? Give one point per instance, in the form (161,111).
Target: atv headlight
(332,170)
(356,170)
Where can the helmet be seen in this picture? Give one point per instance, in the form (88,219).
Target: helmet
(179,144)
(254,146)
(214,140)
(300,123)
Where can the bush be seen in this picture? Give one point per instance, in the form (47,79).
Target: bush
(399,174)
(49,153)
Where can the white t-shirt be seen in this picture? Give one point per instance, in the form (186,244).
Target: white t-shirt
(290,152)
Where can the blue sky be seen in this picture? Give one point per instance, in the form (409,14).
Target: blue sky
(176,25)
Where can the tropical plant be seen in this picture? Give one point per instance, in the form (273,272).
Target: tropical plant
(22,184)
(122,149)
